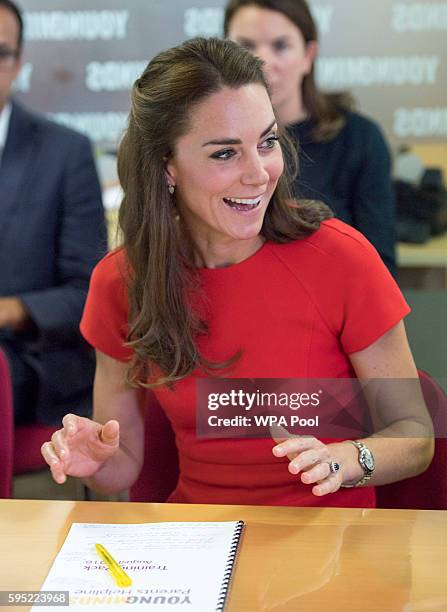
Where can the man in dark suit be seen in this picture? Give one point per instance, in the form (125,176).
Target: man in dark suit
(52,232)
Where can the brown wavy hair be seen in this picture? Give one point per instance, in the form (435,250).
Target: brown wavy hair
(163,327)
(327,110)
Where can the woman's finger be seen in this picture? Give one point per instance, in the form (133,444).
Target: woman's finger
(58,473)
(110,432)
(329,485)
(58,440)
(56,465)
(48,453)
(292,446)
(307,459)
(70,423)
(316,474)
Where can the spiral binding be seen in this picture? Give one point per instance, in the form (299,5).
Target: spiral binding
(229,566)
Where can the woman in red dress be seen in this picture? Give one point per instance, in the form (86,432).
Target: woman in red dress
(221,272)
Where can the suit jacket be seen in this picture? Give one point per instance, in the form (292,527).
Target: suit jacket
(52,233)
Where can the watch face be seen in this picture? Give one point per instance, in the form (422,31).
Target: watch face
(367,460)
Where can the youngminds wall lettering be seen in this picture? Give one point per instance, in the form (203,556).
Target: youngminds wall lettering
(367,71)
(113,76)
(76,25)
(100,127)
(80,61)
(420,17)
(420,122)
(208,21)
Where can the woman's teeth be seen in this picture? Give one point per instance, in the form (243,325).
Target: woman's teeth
(242,203)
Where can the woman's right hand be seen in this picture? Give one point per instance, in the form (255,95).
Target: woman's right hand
(81,447)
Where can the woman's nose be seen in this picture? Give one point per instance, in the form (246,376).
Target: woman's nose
(254,172)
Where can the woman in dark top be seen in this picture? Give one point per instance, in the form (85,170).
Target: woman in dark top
(344,159)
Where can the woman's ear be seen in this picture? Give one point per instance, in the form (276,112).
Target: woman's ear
(312,49)
(170,172)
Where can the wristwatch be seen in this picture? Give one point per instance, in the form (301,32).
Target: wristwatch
(366,460)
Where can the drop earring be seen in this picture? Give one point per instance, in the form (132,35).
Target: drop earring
(171,189)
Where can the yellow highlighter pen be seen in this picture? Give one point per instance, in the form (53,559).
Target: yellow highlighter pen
(119,575)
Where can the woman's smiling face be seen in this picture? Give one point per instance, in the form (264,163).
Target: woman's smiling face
(226,168)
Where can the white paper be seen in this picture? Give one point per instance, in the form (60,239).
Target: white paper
(173,566)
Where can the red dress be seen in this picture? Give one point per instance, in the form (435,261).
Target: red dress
(297,310)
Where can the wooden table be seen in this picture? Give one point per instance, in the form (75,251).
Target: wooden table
(291,559)
(432,253)
(423,266)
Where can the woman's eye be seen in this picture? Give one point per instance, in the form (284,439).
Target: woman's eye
(280,45)
(270,142)
(224,154)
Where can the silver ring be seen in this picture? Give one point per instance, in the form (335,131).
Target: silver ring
(333,467)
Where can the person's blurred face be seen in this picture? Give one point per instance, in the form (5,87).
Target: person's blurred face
(279,43)
(9,62)
(225,169)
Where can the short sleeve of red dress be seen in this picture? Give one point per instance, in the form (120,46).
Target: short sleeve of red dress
(352,288)
(104,322)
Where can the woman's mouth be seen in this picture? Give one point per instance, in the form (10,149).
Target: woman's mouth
(243,204)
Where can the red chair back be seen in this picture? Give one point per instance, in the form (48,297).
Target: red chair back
(20,445)
(159,475)
(28,440)
(428,491)
(6,428)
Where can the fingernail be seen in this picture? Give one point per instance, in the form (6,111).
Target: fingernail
(294,469)
(279,451)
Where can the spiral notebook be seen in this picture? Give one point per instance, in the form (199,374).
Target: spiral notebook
(172,566)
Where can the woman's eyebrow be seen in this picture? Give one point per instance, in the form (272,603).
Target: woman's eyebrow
(243,40)
(236,141)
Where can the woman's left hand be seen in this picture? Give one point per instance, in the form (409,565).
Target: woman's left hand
(313,459)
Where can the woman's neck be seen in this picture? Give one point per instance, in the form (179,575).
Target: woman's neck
(212,255)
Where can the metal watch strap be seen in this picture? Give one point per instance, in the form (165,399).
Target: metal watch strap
(367,475)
